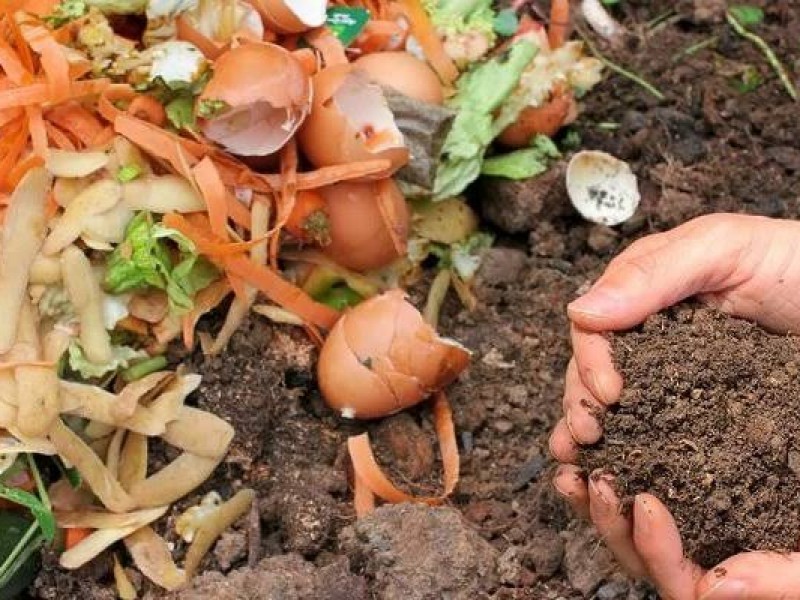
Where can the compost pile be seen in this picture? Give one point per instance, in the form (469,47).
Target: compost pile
(707,422)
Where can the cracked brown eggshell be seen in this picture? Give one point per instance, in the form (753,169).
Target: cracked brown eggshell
(350,121)
(264,96)
(368,223)
(382,357)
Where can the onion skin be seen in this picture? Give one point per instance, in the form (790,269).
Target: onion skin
(361,237)
(546,119)
(382,357)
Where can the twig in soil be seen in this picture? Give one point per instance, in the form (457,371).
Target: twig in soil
(695,48)
(659,19)
(767,51)
(619,70)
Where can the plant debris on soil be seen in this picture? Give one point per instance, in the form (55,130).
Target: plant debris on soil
(707,422)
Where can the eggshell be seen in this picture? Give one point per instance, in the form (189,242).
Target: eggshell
(385,340)
(360,236)
(405,73)
(268,94)
(350,121)
(292,16)
(602,188)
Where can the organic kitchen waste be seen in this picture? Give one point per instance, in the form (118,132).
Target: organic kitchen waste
(301,160)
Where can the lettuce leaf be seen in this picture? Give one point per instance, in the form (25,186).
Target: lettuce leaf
(525,163)
(121,357)
(480,93)
(143,260)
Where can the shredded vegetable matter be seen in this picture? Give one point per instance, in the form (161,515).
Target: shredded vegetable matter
(166,160)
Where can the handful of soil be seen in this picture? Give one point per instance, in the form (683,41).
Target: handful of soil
(709,422)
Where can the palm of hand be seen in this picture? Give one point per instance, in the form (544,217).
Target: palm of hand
(745,266)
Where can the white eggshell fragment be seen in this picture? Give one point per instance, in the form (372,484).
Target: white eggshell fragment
(602,188)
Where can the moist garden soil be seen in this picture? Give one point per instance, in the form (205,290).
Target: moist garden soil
(707,147)
(707,422)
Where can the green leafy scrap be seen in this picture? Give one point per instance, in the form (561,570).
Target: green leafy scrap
(747,14)
(506,22)
(525,163)
(65,12)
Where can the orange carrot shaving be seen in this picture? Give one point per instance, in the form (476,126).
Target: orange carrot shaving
(37,130)
(103,138)
(40,8)
(369,473)
(10,149)
(189,33)
(281,292)
(54,61)
(287,197)
(559,23)
(22,48)
(160,143)
(206,300)
(238,212)
(363,498)
(214,193)
(314,335)
(58,137)
(238,286)
(12,65)
(79,122)
(148,108)
(425,33)
(74,535)
(328,46)
(391,219)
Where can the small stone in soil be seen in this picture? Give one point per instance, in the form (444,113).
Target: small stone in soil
(704,423)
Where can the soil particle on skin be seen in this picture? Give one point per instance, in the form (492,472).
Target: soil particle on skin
(414,552)
(285,577)
(707,422)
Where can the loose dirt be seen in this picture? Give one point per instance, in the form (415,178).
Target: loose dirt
(707,422)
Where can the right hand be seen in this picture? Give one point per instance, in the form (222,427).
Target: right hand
(743,265)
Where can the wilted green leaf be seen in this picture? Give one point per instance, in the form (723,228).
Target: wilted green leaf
(747,14)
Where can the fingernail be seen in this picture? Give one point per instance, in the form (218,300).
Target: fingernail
(641,521)
(597,386)
(595,303)
(594,482)
(727,589)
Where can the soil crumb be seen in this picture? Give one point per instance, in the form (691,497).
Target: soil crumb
(708,422)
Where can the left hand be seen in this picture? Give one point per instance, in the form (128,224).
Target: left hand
(648,544)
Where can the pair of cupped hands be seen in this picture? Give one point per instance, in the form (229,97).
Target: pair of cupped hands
(742,265)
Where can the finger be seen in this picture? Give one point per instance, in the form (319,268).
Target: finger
(613,526)
(582,412)
(688,260)
(592,353)
(659,544)
(562,445)
(754,575)
(570,482)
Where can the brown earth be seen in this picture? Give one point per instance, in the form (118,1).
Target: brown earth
(706,422)
(707,147)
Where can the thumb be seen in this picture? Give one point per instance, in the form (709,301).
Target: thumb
(762,575)
(655,273)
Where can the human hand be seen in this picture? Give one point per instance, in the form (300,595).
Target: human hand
(745,266)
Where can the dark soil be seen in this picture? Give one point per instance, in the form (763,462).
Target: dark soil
(707,422)
(706,148)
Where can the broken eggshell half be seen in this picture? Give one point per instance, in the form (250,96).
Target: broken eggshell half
(602,188)
(368,223)
(292,16)
(256,100)
(382,357)
(350,121)
(212,26)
